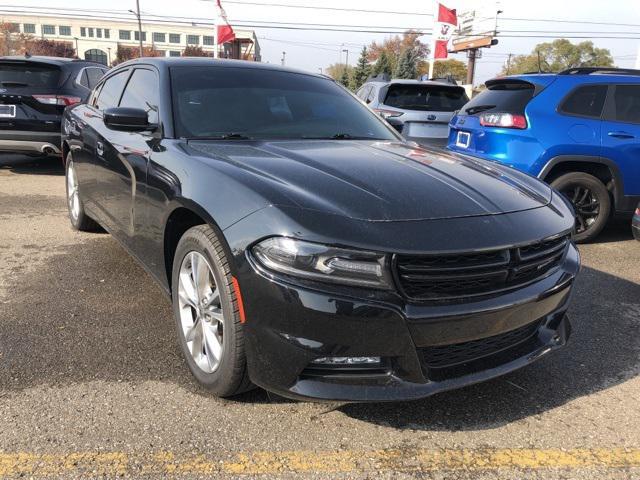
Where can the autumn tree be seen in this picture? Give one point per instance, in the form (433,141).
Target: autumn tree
(361,71)
(559,55)
(394,46)
(336,70)
(194,51)
(449,67)
(128,53)
(50,48)
(12,42)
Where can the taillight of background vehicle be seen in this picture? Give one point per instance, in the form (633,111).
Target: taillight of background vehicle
(61,100)
(503,120)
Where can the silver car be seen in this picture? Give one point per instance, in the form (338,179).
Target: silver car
(419,110)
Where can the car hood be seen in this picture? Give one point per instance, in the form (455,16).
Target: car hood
(377,181)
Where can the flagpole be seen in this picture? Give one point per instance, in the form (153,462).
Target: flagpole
(215,33)
(433,38)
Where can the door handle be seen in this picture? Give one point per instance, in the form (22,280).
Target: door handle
(620,135)
(99,148)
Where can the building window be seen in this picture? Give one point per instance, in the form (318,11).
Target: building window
(208,40)
(48,29)
(174,38)
(193,39)
(159,37)
(99,32)
(83,32)
(174,53)
(125,34)
(91,32)
(106,33)
(136,35)
(64,30)
(95,55)
(29,28)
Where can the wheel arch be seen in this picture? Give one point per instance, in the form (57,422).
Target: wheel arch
(183,217)
(604,169)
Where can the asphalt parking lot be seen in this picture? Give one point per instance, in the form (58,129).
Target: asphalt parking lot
(92,383)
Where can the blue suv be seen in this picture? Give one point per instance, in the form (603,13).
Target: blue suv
(579,130)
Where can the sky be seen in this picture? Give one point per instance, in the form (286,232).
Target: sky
(313,50)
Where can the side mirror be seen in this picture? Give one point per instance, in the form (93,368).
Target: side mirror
(127,119)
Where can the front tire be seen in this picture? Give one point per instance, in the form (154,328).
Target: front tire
(206,312)
(591,201)
(77,216)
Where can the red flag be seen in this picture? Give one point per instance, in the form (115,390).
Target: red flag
(443,30)
(224,31)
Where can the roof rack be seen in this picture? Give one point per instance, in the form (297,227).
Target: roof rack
(599,70)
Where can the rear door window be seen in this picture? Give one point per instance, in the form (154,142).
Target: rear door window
(627,104)
(585,101)
(111,91)
(425,97)
(504,97)
(93,76)
(29,75)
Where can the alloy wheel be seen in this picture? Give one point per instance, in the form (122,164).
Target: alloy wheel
(73,197)
(586,205)
(200,309)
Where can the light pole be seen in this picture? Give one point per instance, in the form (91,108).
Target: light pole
(283,55)
(109,51)
(347,52)
(77,51)
(137,14)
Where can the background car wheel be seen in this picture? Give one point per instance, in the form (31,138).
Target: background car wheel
(206,313)
(591,200)
(79,219)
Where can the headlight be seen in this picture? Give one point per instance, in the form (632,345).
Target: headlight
(324,263)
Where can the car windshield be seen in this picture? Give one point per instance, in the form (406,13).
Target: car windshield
(28,75)
(253,103)
(425,97)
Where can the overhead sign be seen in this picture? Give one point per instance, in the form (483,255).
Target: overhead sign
(476,29)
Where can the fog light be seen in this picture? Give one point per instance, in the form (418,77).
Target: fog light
(347,361)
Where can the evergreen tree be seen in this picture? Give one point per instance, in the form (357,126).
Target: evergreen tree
(406,67)
(361,72)
(383,64)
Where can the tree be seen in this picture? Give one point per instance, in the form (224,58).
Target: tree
(559,55)
(50,48)
(336,70)
(12,42)
(451,66)
(406,65)
(395,45)
(194,51)
(344,77)
(382,65)
(127,53)
(361,72)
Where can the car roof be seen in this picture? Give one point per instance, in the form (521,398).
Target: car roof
(49,60)
(168,62)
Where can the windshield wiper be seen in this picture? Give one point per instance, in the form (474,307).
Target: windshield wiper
(478,109)
(341,136)
(9,83)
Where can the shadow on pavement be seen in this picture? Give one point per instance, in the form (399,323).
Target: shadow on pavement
(91,314)
(24,164)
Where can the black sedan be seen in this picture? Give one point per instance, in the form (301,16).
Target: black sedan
(305,246)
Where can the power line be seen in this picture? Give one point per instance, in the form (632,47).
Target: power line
(337,9)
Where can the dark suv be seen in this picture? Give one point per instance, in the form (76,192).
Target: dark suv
(34,92)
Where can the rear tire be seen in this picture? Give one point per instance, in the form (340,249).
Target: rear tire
(206,312)
(591,201)
(77,216)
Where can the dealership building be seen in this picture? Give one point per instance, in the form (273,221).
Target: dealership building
(97,38)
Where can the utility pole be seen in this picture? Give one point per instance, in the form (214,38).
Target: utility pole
(539,67)
(137,14)
(283,56)
(347,52)
(471,64)
(509,64)
(77,51)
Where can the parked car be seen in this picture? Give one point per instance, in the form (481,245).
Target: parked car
(635,223)
(578,130)
(419,110)
(34,91)
(305,246)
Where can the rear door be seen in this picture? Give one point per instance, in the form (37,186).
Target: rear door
(29,98)
(426,108)
(621,134)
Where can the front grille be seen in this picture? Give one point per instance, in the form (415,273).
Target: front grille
(458,276)
(460,353)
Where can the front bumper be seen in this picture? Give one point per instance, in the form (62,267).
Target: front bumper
(288,326)
(30,142)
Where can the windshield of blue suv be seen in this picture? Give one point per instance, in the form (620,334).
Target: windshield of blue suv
(425,97)
(245,103)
